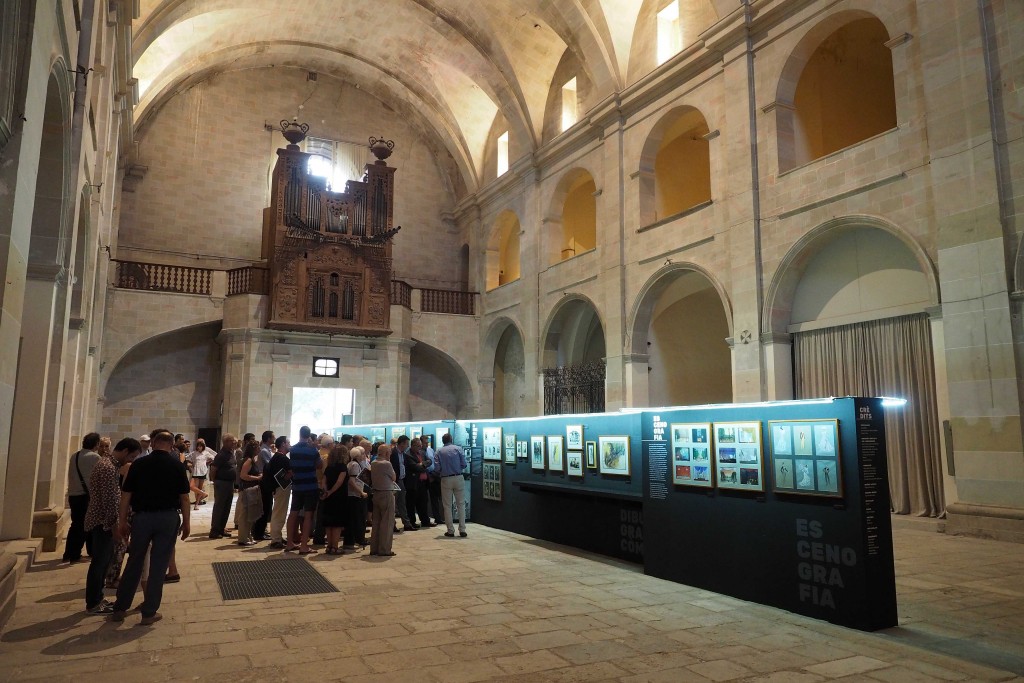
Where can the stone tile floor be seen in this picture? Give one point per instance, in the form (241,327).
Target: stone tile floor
(498,606)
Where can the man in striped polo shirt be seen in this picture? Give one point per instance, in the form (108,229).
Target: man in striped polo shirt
(307,473)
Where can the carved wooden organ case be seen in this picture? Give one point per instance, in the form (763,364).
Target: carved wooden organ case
(329,252)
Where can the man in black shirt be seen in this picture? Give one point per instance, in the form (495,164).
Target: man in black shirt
(223,474)
(156,489)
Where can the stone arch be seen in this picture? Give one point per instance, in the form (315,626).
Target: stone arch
(675,165)
(844,63)
(569,67)
(503,250)
(439,388)
(53,209)
(179,367)
(508,368)
(778,303)
(571,226)
(574,333)
(688,364)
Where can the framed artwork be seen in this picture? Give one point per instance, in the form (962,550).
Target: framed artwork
(537,459)
(415,432)
(397,432)
(613,455)
(739,462)
(691,454)
(492,481)
(805,457)
(377,434)
(574,437)
(492,443)
(574,463)
(591,450)
(522,450)
(439,434)
(556,454)
(510,449)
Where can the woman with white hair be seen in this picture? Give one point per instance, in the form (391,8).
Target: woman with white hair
(355,524)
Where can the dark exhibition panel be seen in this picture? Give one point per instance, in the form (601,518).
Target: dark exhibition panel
(783,504)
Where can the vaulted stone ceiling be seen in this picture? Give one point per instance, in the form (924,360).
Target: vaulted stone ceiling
(449,65)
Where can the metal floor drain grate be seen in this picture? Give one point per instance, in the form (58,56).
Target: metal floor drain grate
(269,579)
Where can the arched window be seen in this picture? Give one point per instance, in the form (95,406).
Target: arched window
(675,167)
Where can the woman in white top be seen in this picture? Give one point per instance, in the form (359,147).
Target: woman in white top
(355,526)
(199,463)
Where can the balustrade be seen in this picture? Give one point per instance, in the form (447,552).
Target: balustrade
(448,301)
(158,277)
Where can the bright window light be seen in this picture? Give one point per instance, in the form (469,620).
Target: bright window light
(570,105)
(503,153)
(670,35)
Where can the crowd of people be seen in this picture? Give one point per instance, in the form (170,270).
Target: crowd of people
(135,498)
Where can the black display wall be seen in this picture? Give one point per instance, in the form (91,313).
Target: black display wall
(825,554)
(828,558)
(597,512)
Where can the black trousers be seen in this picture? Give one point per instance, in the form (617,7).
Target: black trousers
(259,527)
(417,501)
(434,488)
(76,534)
(355,525)
(103,544)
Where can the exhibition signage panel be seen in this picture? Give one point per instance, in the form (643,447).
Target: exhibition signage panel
(817,541)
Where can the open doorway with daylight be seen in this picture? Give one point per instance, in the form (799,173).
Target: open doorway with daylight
(321,409)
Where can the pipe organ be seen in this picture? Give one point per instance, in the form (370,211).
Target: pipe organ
(329,253)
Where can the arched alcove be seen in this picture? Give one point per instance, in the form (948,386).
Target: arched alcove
(180,368)
(675,166)
(854,294)
(438,386)
(837,89)
(573,229)
(509,371)
(503,259)
(573,357)
(681,324)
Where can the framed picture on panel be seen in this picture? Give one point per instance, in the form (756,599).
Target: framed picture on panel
(492,443)
(556,454)
(738,458)
(805,457)
(510,449)
(613,455)
(591,451)
(574,463)
(691,454)
(574,437)
(537,459)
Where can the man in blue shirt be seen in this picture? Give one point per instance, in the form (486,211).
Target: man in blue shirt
(307,472)
(452,462)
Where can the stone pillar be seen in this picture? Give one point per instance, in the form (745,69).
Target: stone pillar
(778,365)
(974,247)
(484,406)
(370,379)
(947,455)
(29,402)
(636,372)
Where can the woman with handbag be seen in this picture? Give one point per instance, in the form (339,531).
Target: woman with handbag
(250,500)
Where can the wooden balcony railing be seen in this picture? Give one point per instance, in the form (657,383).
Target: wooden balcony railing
(447,301)
(248,280)
(158,277)
(401,293)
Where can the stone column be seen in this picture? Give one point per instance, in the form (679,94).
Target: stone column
(29,403)
(778,365)
(637,377)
